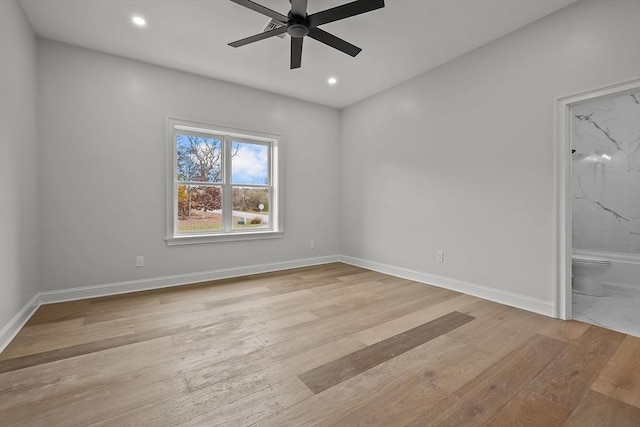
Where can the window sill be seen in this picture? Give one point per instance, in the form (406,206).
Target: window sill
(197,239)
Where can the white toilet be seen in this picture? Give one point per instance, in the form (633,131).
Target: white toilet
(587,272)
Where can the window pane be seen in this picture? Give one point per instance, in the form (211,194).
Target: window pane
(199,158)
(199,208)
(250,207)
(249,163)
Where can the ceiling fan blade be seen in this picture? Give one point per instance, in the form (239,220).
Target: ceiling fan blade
(263,10)
(299,8)
(296,52)
(257,37)
(334,42)
(346,10)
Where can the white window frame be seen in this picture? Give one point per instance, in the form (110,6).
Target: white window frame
(227,134)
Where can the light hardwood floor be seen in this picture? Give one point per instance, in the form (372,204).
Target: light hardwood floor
(325,345)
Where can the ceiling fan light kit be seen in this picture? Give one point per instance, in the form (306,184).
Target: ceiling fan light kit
(299,25)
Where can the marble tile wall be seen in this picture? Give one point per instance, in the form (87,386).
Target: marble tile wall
(606,174)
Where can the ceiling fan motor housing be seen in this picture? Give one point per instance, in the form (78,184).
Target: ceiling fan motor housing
(297,26)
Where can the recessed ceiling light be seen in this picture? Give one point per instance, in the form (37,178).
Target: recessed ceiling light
(332,80)
(139,21)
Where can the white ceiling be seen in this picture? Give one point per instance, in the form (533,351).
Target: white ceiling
(402,40)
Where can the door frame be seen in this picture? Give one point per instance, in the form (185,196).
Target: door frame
(562,185)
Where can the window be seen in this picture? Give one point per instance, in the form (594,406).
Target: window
(223,184)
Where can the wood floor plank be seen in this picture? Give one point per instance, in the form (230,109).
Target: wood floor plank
(364,275)
(412,320)
(340,285)
(530,410)
(247,311)
(133,316)
(178,409)
(506,328)
(340,293)
(93,405)
(32,330)
(568,378)
(90,347)
(122,365)
(335,267)
(25,391)
(211,388)
(167,307)
(87,371)
(91,380)
(254,407)
(214,289)
(309,285)
(52,313)
(79,383)
(66,338)
(124,301)
(393,280)
(229,352)
(396,405)
(352,320)
(245,328)
(570,330)
(193,318)
(240,309)
(289,296)
(458,369)
(620,377)
(326,376)
(280,361)
(596,409)
(167,361)
(329,270)
(483,308)
(479,400)
(338,402)
(404,292)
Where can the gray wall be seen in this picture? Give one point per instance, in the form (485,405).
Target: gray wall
(18,162)
(461,158)
(103,122)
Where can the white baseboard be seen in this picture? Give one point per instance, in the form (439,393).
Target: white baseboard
(175,280)
(11,329)
(17,322)
(503,297)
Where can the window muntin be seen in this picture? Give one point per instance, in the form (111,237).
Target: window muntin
(224,184)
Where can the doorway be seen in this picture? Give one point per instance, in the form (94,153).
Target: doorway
(563,180)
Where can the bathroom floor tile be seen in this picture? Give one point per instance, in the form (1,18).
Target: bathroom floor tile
(617,312)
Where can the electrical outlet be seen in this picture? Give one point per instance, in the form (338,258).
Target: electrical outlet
(312,244)
(139,261)
(440,256)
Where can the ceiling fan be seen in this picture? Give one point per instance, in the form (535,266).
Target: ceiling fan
(298,25)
